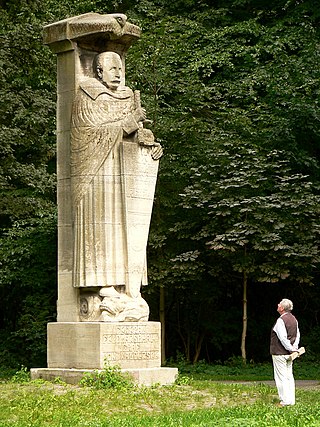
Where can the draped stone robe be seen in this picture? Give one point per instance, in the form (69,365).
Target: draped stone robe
(103,144)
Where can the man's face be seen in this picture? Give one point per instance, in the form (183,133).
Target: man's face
(280,309)
(111,73)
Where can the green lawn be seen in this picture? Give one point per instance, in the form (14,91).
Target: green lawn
(235,370)
(193,401)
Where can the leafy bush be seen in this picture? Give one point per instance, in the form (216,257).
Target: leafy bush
(109,377)
(21,376)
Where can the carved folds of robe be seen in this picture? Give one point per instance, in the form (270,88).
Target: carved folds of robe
(113,180)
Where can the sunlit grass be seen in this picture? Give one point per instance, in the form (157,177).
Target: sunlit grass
(196,402)
(235,370)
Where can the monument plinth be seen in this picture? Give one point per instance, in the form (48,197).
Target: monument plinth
(107,165)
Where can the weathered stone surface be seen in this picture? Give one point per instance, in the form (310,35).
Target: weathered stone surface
(146,376)
(93,30)
(90,345)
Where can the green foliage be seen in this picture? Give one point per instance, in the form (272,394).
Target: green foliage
(6,372)
(232,90)
(27,185)
(266,213)
(231,370)
(109,377)
(21,376)
(28,290)
(200,402)
(233,94)
(182,379)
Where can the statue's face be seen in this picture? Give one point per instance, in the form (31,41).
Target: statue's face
(111,73)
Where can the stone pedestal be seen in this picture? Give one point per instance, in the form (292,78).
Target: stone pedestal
(90,345)
(78,347)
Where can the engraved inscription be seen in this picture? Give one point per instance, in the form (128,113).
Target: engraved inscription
(134,342)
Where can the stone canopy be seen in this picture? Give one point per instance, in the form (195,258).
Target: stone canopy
(93,31)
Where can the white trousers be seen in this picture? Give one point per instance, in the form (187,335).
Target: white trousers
(283,376)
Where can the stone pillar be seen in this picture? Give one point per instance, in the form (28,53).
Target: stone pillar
(67,74)
(76,345)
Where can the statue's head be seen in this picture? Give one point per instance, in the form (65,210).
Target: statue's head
(108,67)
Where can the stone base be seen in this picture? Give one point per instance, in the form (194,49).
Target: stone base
(78,347)
(148,376)
(92,345)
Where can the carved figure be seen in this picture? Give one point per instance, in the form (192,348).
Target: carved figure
(114,163)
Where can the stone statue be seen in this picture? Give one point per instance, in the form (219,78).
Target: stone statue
(114,164)
(107,166)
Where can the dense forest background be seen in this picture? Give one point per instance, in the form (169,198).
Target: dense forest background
(232,88)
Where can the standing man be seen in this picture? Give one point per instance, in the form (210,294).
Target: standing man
(285,337)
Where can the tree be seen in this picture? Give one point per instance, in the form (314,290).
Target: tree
(262,216)
(27,186)
(237,77)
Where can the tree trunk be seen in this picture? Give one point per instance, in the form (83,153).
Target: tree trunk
(185,341)
(162,316)
(198,346)
(244,318)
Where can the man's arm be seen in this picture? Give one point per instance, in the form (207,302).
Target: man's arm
(297,340)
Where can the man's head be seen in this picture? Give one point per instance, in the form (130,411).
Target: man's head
(285,306)
(109,69)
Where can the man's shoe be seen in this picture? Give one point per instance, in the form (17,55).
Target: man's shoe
(283,405)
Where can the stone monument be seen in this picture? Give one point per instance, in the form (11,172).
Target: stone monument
(107,165)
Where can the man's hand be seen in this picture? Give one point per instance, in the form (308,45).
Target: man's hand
(297,353)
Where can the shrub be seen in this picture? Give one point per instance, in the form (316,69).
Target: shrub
(109,377)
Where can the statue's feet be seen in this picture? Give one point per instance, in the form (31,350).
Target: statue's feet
(109,305)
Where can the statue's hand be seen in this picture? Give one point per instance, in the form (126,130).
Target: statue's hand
(140,114)
(157,151)
(145,137)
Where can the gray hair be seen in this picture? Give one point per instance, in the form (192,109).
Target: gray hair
(286,304)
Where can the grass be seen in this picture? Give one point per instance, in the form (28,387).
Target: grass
(197,400)
(235,370)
